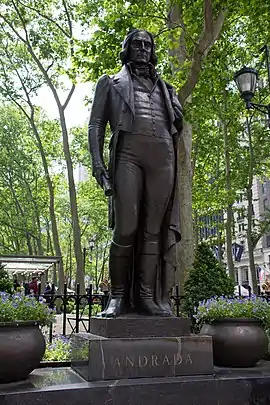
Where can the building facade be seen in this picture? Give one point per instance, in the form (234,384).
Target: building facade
(261,206)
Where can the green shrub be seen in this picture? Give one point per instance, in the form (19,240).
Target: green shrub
(6,284)
(206,279)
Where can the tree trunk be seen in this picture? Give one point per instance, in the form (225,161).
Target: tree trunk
(49,240)
(207,38)
(38,239)
(219,244)
(186,246)
(254,281)
(55,235)
(73,204)
(229,221)
(195,229)
(29,244)
(96,268)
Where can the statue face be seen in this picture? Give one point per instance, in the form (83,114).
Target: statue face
(140,48)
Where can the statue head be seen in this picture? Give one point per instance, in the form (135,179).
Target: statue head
(138,47)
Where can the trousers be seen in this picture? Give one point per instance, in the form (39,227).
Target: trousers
(144,179)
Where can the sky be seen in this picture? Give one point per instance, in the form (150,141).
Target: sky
(77,113)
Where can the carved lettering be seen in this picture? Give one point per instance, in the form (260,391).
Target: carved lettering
(143,361)
(154,360)
(129,361)
(177,359)
(116,363)
(166,360)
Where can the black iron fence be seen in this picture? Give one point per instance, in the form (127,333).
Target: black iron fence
(75,309)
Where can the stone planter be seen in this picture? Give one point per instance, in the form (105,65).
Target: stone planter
(22,346)
(239,342)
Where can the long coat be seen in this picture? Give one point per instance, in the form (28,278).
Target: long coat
(114,104)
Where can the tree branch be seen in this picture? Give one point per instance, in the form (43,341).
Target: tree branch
(210,34)
(45,17)
(69,96)
(68,19)
(18,228)
(27,42)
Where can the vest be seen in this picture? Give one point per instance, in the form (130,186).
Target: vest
(151,116)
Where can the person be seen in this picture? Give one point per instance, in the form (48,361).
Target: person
(16,284)
(26,288)
(34,285)
(145,118)
(48,292)
(48,288)
(241,290)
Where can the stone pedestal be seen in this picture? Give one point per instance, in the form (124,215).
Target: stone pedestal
(139,327)
(62,386)
(140,348)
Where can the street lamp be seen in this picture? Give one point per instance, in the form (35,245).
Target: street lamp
(91,244)
(246,80)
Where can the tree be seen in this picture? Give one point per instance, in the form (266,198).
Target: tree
(21,185)
(49,48)
(16,66)
(206,279)
(185,33)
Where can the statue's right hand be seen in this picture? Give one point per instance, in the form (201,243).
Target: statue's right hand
(100,173)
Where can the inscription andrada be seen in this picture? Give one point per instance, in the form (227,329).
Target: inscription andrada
(151,361)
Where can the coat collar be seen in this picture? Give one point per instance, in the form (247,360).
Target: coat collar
(123,84)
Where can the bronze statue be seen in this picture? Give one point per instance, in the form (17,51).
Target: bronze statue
(145,118)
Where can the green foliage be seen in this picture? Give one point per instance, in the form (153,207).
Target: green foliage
(215,308)
(5,282)
(18,307)
(58,350)
(205,280)
(82,40)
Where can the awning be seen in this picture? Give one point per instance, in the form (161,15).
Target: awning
(27,264)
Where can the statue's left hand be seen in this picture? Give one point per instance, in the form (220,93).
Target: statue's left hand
(99,173)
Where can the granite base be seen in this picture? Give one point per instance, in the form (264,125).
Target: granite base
(97,358)
(225,387)
(136,326)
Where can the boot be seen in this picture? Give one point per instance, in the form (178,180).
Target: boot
(120,264)
(148,276)
(166,305)
(166,288)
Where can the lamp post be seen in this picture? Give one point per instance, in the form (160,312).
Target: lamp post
(91,245)
(246,80)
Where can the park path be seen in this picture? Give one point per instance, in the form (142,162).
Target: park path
(58,325)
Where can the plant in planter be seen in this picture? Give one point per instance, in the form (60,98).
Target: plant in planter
(206,279)
(22,343)
(237,327)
